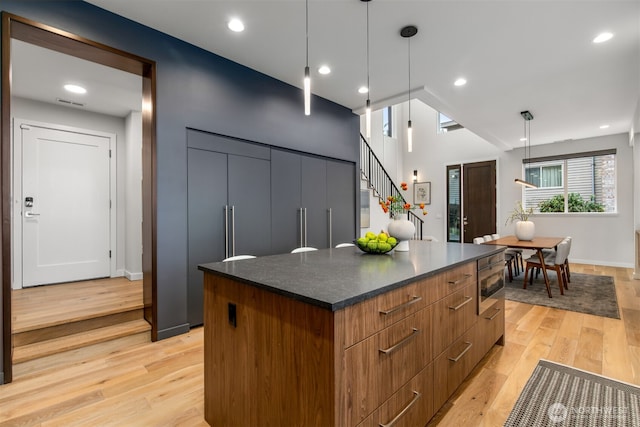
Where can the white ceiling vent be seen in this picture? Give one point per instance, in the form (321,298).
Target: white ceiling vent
(67,102)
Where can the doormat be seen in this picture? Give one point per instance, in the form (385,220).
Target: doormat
(587,293)
(557,395)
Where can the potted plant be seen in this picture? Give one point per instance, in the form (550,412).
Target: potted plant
(525,229)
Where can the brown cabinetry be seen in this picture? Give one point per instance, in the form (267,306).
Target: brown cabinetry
(393,359)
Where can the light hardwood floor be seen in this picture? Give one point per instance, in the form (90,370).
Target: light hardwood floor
(144,384)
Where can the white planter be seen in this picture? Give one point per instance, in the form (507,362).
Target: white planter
(403,230)
(525,230)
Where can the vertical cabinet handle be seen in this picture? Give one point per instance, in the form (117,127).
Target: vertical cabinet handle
(305,227)
(395,419)
(330,229)
(233,231)
(301,228)
(226,231)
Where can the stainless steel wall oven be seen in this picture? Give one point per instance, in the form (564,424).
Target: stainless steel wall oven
(490,280)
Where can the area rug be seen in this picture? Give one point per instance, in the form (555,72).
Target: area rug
(587,293)
(557,395)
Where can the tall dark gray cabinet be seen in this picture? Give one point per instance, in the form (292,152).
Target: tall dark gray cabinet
(229,195)
(252,199)
(319,207)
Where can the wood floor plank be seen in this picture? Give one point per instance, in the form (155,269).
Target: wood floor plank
(144,383)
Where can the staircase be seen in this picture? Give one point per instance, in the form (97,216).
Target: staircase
(379,181)
(57,319)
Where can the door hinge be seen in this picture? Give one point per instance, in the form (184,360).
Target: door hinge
(109,153)
(109,254)
(25,127)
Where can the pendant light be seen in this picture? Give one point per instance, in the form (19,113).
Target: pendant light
(408,32)
(307,77)
(368,108)
(527,116)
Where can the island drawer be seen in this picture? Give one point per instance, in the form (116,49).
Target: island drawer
(455,363)
(370,316)
(410,406)
(455,279)
(492,323)
(453,316)
(379,365)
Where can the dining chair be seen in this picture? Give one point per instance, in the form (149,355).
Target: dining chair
(344,245)
(303,249)
(517,254)
(509,259)
(552,253)
(238,258)
(556,263)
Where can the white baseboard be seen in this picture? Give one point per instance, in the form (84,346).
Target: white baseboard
(604,263)
(133,276)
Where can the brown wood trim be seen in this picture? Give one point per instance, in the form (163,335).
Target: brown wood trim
(5,177)
(36,33)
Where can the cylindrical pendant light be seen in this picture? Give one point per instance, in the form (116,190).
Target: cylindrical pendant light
(307,77)
(527,116)
(408,32)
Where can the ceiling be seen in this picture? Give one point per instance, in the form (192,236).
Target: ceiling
(516,55)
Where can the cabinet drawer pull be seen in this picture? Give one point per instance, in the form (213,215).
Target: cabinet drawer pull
(462,304)
(416,396)
(455,359)
(400,343)
(455,282)
(498,310)
(414,300)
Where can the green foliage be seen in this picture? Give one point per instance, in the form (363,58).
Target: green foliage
(576,204)
(519,213)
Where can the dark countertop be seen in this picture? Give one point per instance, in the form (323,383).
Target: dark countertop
(336,278)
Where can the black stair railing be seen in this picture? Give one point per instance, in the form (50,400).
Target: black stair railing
(381,183)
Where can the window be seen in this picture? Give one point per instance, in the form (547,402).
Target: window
(582,182)
(445,124)
(387,122)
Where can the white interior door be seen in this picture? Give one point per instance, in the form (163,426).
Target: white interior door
(65,206)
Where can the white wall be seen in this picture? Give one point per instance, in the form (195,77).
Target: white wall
(133,196)
(597,239)
(49,113)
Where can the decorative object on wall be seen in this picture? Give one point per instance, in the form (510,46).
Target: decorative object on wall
(527,116)
(415,175)
(422,193)
(408,32)
(368,109)
(365,209)
(307,77)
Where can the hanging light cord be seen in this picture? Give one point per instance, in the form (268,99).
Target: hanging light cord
(368,86)
(409,38)
(306,9)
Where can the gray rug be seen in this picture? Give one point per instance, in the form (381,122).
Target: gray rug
(557,395)
(587,293)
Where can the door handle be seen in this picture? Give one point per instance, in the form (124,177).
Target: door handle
(330,230)
(226,231)
(30,214)
(305,227)
(233,231)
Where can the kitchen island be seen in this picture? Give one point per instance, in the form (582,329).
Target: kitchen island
(337,337)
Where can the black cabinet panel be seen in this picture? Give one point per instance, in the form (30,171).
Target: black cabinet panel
(341,199)
(314,202)
(207,196)
(249,200)
(285,201)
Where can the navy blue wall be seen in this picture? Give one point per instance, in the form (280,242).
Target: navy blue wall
(200,90)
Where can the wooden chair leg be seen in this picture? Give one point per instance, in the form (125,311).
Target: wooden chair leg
(566,276)
(526,273)
(567,272)
(510,271)
(560,278)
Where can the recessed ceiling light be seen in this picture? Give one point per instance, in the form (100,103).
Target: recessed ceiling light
(75,89)
(324,69)
(236,25)
(460,82)
(523,139)
(363,89)
(604,127)
(602,37)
